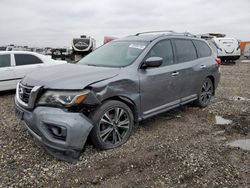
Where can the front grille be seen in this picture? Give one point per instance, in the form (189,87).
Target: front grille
(24,93)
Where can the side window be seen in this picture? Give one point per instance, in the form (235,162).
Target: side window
(185,50)
(26,59)
(164,50)
(202,48)
(5,60)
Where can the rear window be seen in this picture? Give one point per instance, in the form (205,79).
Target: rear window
(5,60)
(202,48)
(185,50)
(26,59)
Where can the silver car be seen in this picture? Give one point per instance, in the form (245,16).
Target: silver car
(107,92)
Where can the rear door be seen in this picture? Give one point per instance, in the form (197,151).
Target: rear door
(26,63)
(206,66)
(7,76)
(159,87)
(187,66)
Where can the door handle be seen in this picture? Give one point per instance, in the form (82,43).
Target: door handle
(203,66)
(175,73)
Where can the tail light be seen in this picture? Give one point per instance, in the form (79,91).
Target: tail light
(218,60)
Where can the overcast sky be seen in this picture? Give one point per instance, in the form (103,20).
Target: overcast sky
(56,22)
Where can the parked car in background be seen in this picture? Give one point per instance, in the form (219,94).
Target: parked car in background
(14,65)
(114,87)
(246,52)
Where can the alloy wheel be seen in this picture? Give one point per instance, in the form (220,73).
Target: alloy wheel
(114,126)
(206,92)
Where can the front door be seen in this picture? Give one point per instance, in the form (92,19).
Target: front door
(159,87)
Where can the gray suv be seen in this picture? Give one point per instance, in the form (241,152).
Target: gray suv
(107,92)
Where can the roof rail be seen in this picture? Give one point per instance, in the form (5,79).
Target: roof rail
(186,34)
(169,32)
(163,31)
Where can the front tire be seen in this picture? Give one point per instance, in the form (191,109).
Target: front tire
(206,92)
(113,124)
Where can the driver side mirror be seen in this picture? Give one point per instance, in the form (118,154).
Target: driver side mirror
(152,62)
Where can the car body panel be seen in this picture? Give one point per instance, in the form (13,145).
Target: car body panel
(151,83)
(69,76)
(78,127)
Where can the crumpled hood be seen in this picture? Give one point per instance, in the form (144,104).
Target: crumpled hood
(69,76)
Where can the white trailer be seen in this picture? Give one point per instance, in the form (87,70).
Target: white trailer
(228,49)
(82,46)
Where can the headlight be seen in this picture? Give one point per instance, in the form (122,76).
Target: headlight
(63,98)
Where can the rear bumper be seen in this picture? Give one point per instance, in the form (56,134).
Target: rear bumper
(72,130)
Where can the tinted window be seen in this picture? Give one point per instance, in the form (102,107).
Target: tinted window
(185,50)
(164,50)
(5,60)
(26,59)
(202,48)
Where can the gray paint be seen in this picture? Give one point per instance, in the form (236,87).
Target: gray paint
(69,76)
(150,91)
(70,149)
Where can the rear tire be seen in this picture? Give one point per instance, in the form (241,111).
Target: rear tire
(206,92)
(113,123)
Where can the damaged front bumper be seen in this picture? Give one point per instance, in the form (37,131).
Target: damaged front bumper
(62,133)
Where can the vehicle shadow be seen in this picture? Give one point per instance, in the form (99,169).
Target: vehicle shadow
(229,63)
(168,115)
(9,92)
(149,122)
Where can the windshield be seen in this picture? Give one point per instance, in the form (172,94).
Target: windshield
(115,54)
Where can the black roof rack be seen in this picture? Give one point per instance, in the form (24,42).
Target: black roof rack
(167,31)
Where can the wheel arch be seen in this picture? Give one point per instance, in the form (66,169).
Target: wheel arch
(211,77)
(128,102)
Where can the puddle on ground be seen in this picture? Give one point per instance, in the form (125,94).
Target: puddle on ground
(241,143)
(245,61)
(222,121)
(239,98)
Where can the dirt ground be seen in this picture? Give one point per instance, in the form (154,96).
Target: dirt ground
(180,148)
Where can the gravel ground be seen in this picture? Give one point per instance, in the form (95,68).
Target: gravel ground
(180,148)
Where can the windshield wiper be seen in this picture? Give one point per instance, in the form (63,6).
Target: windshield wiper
(91,65)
